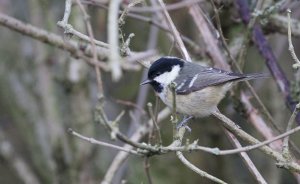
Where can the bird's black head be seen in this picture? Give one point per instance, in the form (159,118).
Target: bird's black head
(162,65)
(159,69)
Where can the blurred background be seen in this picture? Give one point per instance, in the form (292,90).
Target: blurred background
(44,91)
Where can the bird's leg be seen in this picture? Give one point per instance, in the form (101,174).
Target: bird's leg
(184,122)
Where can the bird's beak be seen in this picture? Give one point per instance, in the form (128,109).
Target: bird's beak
(147,81)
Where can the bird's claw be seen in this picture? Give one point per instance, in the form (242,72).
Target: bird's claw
(184,122)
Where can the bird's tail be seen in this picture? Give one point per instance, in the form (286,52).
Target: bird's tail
(256,76)
(251,76)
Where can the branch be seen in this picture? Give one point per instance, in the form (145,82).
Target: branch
(92,40)
(94,141)
(248,162)
(197,170)
(49,38)
(285,146)
(267,53)
(113,39)
(74,48)
(209,39)
(291,47)
(23,170)
(122,156)
(280,24)
(293,166)
(175,32)
(190,43)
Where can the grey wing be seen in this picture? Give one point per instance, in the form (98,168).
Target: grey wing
(196,77)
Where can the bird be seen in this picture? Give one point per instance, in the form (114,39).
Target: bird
(198,89)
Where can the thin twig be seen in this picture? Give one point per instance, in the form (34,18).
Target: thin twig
(248,162)
(68,29)
(147,170)
(169,7)
(291,47)
(197,170)
(209,39)
(190,43)
(92,40)
(152,9)
(175,32)
(155,125)
(94,141)
(285,145)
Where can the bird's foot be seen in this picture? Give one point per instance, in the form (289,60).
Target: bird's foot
(184,122)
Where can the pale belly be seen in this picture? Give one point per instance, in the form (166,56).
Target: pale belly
(200,103)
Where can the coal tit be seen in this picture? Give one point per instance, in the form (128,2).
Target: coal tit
(199,89)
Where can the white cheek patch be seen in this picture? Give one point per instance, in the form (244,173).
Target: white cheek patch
(167,77)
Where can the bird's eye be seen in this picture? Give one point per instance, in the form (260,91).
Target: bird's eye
(157,74)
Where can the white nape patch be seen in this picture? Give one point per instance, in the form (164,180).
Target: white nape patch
(193,80)
(167,77)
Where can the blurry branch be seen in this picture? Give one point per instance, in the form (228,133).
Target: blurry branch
(190,43)
(169,7)
(67,12)
(238,67)
(68,28)
(290,165)
(136,136)
(94,51)
(23,170)
(280,24)
(251,167)
(175,33)
(219,27)
(239,64)
(137,117)
(291,47)
(152,9)
(113,39)
(74,48)
(51,39)
(258,122)
(209,38)
(147,170)
(267,53)
(155,124)
(197,170)
(285,147)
